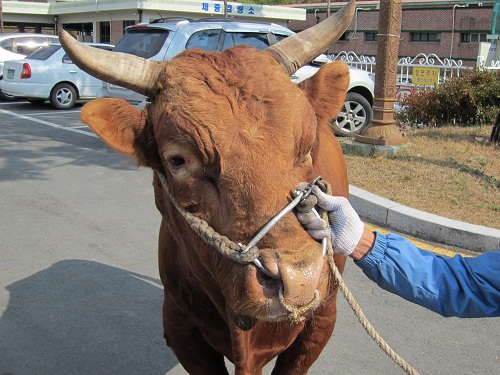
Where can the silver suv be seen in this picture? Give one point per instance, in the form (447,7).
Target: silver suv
(164,38)
(19,45)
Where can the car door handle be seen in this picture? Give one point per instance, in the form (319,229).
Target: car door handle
(72,71)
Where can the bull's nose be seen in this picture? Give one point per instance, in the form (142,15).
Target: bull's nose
(301,280)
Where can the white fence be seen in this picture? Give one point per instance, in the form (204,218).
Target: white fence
(447,67)
(493,66)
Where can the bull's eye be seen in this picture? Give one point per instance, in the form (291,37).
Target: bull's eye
(177,161)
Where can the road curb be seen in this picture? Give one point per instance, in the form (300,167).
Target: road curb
(429,227)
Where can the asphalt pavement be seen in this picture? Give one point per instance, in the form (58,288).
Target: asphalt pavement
(80,292)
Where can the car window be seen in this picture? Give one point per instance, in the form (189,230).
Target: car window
(24,45)
(279,37)
(142,42)
(256,40)
(107,48)
(67,60)
(207,40)
(43,53)
(6,44)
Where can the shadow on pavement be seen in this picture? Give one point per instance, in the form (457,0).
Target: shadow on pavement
(84,317)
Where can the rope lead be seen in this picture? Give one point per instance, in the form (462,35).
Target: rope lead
(250,254)
(409,369)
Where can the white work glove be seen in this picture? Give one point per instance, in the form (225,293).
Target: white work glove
(346,228)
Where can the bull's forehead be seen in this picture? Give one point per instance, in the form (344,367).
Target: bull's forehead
(241,98)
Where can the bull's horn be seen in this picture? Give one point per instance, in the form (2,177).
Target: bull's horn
(123,69)
(297,50)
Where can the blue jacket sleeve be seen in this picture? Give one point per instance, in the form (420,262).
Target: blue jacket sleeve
(458,286)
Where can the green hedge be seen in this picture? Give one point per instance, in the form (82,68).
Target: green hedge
(471,99)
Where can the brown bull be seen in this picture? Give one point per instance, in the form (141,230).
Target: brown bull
(233,137)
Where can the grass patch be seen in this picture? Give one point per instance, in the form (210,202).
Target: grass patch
(446,171)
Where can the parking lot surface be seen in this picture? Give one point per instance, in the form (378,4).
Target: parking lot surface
(79,287)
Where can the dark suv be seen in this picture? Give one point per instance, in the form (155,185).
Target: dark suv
(164,38)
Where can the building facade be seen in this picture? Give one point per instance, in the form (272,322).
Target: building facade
(447,29)
(104,20)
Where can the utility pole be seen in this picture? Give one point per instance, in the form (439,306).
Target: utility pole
(383,131)
(1,18)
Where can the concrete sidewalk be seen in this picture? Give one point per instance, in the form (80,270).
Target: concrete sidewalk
(425,226)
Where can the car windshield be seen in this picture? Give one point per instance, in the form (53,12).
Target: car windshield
(43,53)
(142,42)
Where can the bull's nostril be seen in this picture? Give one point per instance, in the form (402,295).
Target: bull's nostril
(270,285)
(264,276)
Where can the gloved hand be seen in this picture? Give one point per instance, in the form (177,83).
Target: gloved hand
(346,228)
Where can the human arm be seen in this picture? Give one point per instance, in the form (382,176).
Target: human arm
(458,286)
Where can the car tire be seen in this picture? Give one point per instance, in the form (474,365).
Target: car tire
(36,101)
(63,96)
(6,97)
(355,115)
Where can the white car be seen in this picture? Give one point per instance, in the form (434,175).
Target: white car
(19,45)
(49,74)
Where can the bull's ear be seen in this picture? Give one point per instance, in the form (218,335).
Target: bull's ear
(326,90)
(124,128)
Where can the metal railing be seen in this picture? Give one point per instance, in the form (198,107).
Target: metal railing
(494,65)
(447,67)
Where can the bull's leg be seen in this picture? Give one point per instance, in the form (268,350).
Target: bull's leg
(304,351)
(190,347)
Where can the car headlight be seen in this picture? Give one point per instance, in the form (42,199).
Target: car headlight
(372,76)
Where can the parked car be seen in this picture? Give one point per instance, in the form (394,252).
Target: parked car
(357,112)
(164,38)
(18,46)
(49,74)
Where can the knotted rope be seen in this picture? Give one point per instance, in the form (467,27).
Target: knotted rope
(296,314)
(223,244)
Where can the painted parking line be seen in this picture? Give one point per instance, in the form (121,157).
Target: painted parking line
(46,113)
(48,123)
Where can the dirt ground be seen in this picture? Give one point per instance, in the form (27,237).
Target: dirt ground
(448,171)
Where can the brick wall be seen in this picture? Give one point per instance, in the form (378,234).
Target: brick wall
(436,19)
(116,31)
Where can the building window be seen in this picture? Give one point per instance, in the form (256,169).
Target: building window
(370,36)
(105,32)
(425,37)
(472,37)
(128,23)
(345,36)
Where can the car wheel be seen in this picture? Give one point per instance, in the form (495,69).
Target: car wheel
(36,101)
(355,115)
(6,97)
(63,96)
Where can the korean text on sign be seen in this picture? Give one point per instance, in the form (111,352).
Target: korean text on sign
(219,8)
(425,76)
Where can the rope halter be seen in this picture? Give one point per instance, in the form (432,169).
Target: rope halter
(305,202)
(249,253)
